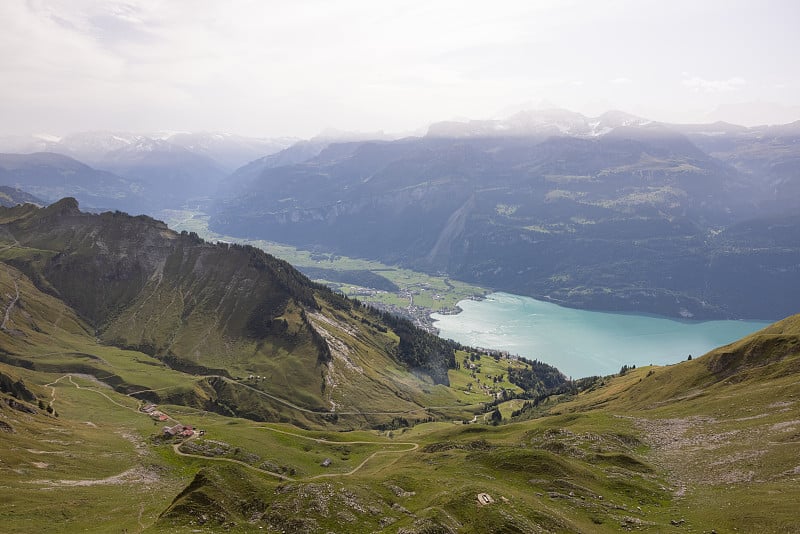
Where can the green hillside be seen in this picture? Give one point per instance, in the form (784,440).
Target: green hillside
(307,412)
(258,337)
(723,428)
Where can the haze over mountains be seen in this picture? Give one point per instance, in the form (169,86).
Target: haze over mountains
(229,151)
(148,172)
(214,318)
(611,212)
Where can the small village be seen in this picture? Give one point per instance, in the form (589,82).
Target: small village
(176,430)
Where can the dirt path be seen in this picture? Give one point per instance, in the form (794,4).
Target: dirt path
(51,385)
(362,464)
(142,526)
(146,390)
(134,475)
(177,446)
(10,307)
(77,386)
(112,401)
(412,447)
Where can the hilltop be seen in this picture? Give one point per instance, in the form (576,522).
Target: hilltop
(705,445)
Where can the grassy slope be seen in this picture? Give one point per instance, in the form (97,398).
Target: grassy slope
(724,427)
(87,470)
(46,335)
(102,441)
(708,444)
(641,451)
(582,469)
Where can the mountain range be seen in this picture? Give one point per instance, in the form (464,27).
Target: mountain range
(613,212)
(147,173)
(229,151)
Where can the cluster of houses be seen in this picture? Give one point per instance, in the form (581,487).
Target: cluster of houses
(150,409)
(364,292)
(186,431)
(179,429)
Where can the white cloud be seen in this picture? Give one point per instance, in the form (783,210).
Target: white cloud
(293,68)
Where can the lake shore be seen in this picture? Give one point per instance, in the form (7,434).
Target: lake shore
(583,342)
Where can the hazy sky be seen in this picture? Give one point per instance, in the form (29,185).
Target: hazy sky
(273,68)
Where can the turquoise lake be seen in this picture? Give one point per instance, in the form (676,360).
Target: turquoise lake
(584,343)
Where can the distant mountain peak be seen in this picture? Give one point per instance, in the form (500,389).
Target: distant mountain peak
(538,122)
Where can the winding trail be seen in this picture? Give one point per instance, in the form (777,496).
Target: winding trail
(10,307)
(77,386)
(51,385)
(112,401)
(146,390)
(412,447)
(177,446)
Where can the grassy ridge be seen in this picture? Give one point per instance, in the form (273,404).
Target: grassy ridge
(723,427)
(216,310)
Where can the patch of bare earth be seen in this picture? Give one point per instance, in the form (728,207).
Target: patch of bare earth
(138,443)
(697,451)
(340,354)
(135,475)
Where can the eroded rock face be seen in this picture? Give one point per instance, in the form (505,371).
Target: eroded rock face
(19,406)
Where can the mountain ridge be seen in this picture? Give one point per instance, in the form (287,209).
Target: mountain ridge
(535,215)
(223,312)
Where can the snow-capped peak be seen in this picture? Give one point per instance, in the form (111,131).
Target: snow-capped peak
(540,122)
